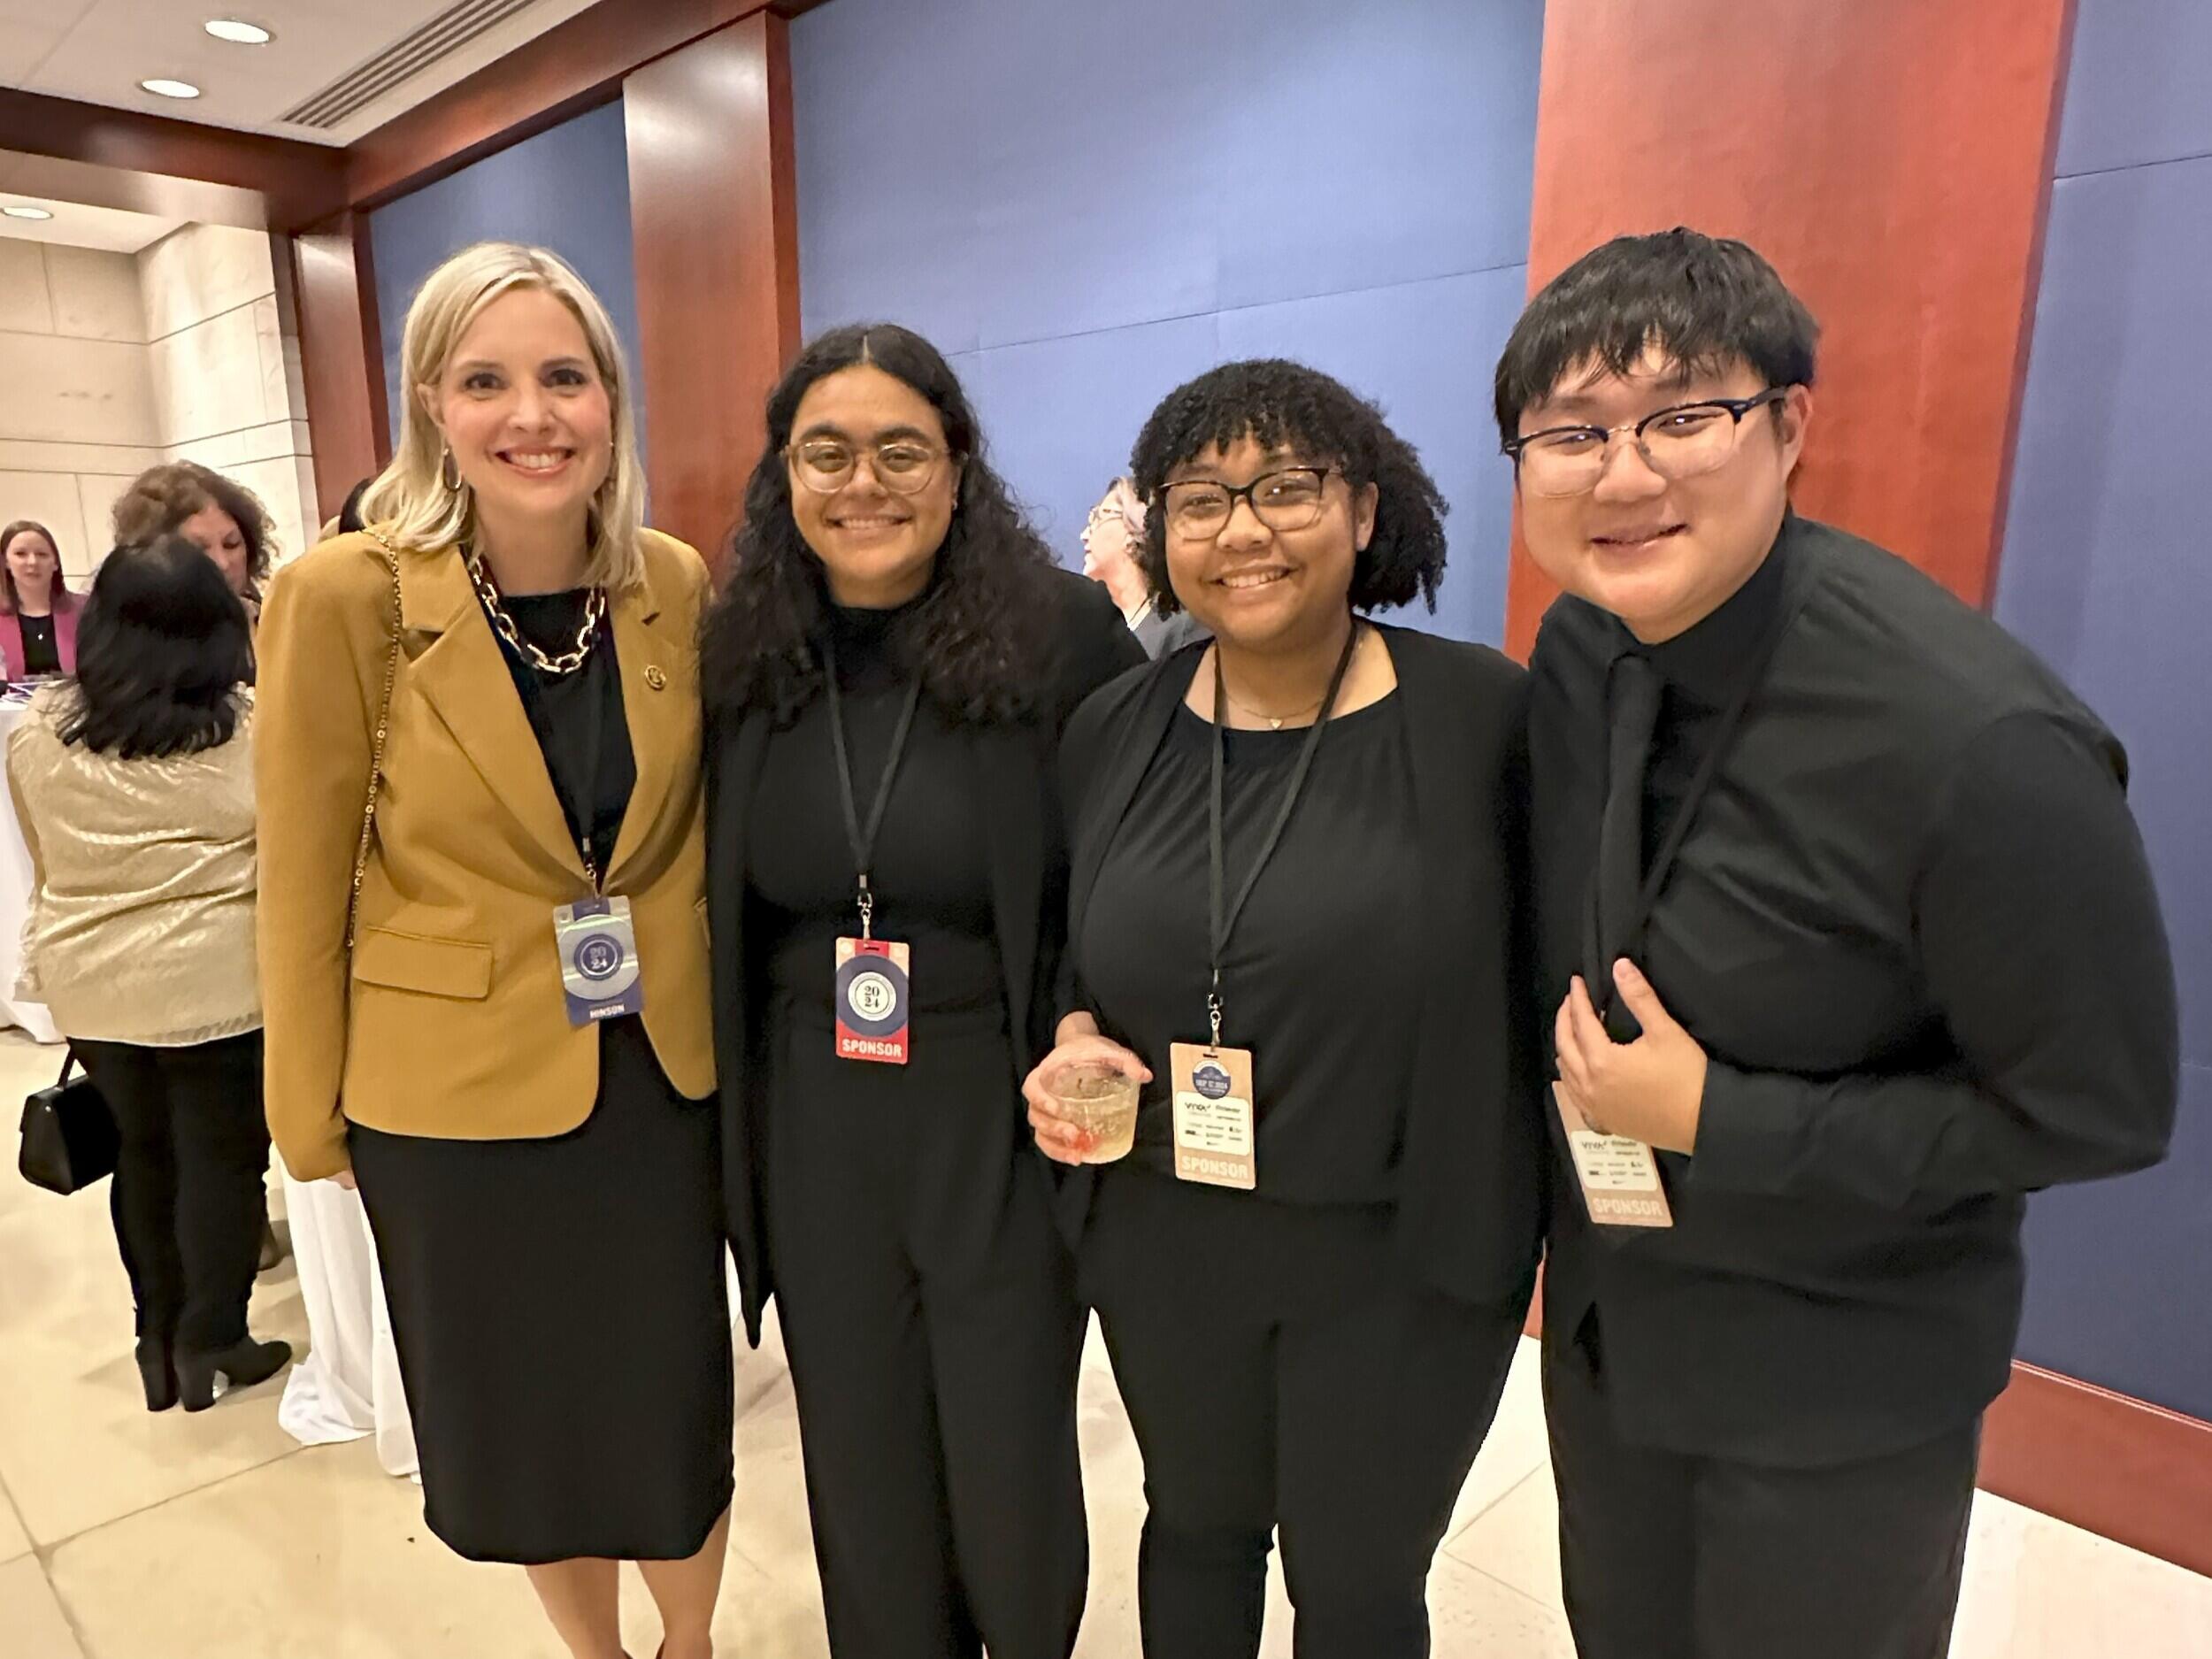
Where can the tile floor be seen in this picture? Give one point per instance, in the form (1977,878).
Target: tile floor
(125,1536)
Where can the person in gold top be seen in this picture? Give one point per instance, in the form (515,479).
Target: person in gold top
(483,940)
(133,786)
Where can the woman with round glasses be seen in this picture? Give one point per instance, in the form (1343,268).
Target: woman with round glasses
(1295,919)
(888,674)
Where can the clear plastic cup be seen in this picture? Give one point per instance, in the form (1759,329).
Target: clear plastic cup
(1094,1095)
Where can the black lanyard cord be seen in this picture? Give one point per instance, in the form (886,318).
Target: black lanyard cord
(1224,920)
(863,840)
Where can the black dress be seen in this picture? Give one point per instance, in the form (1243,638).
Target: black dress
(559,1305)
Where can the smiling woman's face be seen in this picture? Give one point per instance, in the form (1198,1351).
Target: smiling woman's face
(1258,588)
(878,545)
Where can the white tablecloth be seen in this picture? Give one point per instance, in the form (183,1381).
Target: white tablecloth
(349,1385)
(15,898)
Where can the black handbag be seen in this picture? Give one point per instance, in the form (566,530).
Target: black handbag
(69,1135)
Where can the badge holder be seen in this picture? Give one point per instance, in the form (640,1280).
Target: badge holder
(874,997)
(598,943)
(1213,1114)
(1619,1176)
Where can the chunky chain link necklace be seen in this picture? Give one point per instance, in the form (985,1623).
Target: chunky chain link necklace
(569,660)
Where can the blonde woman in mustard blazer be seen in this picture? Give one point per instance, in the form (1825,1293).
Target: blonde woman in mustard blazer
(537,1155)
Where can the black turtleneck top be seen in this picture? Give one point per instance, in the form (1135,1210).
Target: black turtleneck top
(931,878)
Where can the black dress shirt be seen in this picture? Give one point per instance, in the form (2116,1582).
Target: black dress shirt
(1913,928)
(1323,979)
(581,725)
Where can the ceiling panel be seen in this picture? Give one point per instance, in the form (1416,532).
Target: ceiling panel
(98,50)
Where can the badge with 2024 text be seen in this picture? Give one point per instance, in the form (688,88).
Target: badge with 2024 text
(597,943)
(874,997)
(1213,1114)
(1619,1176)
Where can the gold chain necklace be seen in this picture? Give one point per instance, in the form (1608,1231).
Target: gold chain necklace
(1275,721)
(569,660)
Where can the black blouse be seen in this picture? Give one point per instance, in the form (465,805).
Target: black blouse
(930,879)
(42,651)
(1323,975)
(580,719)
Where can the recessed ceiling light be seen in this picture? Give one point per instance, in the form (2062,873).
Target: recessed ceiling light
(24,210)
(170,89)
(238,32)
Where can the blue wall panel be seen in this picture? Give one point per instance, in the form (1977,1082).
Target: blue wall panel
(567,189)
(1089,205)
(2105,573)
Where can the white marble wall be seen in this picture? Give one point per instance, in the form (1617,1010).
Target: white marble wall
(78,418)
(110,363)
(226,387)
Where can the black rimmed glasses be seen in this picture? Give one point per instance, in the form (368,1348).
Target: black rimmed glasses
(1677,443)
(901,466)
(1288,499)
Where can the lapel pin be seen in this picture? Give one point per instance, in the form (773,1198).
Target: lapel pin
(655,678)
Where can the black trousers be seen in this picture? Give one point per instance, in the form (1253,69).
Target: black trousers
(186,1196)
(929,1315)
(1667,1556)
(1282,1369)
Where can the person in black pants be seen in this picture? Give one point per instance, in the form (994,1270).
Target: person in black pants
(1311,1270)
(134,784)
(1851,946)
(886,678)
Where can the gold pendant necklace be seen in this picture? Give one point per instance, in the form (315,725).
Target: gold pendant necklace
(1275,721)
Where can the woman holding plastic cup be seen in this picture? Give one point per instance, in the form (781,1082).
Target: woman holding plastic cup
(1294,920)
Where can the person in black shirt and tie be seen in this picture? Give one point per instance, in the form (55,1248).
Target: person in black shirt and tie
(1852,946)
(1311,1270)
(886,677)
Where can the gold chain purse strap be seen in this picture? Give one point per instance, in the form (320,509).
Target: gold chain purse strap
(383,725)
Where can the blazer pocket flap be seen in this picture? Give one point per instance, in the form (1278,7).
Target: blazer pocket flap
(409,962)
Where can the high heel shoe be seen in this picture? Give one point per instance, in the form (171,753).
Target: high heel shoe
(243,1364)
(157,1371)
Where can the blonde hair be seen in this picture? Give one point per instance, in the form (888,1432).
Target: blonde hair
(409,500)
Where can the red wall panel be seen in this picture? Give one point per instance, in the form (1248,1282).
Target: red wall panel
(1893,158)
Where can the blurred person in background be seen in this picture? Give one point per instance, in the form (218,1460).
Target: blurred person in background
(1111,537)
(218,515)
(134,785)
(38,613)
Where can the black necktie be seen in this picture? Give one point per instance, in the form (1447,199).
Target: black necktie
(1633,700)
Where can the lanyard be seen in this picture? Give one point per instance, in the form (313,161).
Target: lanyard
(579,794)
(1600,981)
(1224,921)
(863,842)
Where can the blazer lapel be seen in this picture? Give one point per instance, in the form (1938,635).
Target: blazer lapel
(1007,782)
(462,675)
(1092,822)
(1443,829)
(642,649)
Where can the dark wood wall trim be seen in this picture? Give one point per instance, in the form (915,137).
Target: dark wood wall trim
(342,355)
(2134,1472)
(568,69)
(300,181)
(714,231)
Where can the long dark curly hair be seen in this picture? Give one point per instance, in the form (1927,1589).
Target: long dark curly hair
(1287,405)
(981,635)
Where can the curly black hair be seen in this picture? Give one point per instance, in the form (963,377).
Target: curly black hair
(1279,404)
(980,635)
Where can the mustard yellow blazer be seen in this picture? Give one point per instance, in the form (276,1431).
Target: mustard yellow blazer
(448,1021)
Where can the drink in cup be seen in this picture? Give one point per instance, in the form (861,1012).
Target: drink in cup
(1096,1096)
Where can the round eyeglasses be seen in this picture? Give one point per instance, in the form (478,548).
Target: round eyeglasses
(825,466)
(1680,443)
(1289,499)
